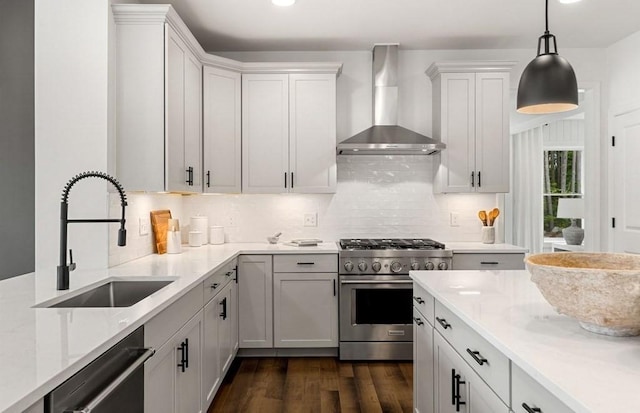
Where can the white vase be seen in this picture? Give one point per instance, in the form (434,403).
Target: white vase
(488,235)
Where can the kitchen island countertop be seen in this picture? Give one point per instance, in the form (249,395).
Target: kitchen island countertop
(42,347)
(586,371)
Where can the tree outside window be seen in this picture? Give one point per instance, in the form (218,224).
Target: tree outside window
(562,179)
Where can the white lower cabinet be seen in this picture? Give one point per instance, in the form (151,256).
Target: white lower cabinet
(422,364)
(255,301)
(457,387)
(305,307)
(173,374)
(219,345)
(529,396)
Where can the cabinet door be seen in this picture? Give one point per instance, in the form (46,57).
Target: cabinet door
(222,130)
(225,328)
(265,133)
(193,120)
(234,318)
(457,387)
(492,132)
(211,376)
(175,170)
(457,131)
(160,380)
(422,364)
(255,301)
(188,384)
(305,308)
(312,133)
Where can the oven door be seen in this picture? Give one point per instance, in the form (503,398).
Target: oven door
(376,308)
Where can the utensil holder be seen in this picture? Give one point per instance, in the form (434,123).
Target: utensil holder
(216,235)
(488,235)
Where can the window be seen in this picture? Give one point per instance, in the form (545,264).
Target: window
(563,178)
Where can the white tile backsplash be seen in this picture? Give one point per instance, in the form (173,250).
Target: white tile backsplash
(377,196)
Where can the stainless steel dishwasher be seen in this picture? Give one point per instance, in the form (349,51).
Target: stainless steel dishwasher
(114,382)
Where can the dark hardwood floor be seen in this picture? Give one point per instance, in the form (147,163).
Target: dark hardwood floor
(318,385)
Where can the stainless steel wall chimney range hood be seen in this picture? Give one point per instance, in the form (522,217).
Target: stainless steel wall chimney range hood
(386,137)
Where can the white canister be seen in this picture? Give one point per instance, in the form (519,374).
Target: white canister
(488,235)
(196,238)
(174,242)
(216,235)
(199,223)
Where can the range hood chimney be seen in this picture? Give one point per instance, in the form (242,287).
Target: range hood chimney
(386,137)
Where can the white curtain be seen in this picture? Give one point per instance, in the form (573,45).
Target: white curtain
(525,199)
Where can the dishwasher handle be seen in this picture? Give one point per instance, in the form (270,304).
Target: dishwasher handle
(148,352)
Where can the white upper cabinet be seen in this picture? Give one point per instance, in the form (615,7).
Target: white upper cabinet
(158,103)
(289,133)
(222,132)
(471,116)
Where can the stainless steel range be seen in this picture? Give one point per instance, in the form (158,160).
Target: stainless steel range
(376,294)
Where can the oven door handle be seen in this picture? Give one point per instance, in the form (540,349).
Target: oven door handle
(115,383)
(375,282)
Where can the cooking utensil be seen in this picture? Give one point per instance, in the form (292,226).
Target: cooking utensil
(483,217)
(493,215)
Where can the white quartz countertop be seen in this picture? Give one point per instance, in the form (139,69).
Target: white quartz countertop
(479,248)
(42,347)
(587,371)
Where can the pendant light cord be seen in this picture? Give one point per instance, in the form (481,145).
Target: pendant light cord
(546,16)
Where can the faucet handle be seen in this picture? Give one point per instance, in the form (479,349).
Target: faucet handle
(72,265)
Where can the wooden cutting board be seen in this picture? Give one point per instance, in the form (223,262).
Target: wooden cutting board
(160,225)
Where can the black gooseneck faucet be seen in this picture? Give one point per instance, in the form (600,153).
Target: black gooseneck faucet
(63,268)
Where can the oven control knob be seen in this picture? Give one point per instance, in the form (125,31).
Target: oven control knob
(443,266)
(415,266)
(376,266)
(396,266)
(362,266)
(348,266)
(429,265)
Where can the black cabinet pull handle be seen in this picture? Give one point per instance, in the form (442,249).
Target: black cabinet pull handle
(228,273)
(183,357)
(472,179)
(186,352)
(443,322)
(223,314)
(306,263)
(418,321)
(208,179)
(291,179)
(528,409)
(334,288)
(214,286)
(419,300)
(453,387)
(458,382)
(489,263)
(479,180)
(285,179)
(477,357)
(190,176)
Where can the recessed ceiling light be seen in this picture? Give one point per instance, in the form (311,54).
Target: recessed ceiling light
(568,1)
(283,3)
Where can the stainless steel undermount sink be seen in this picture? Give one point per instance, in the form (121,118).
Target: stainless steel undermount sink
(116,293)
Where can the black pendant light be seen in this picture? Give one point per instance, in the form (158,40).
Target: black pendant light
(548,83)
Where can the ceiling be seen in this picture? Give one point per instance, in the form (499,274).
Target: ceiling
(258,25)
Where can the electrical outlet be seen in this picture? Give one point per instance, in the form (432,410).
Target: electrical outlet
(311,220)
(453,219)
(143,226)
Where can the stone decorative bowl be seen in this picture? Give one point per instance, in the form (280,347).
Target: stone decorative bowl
(600,290)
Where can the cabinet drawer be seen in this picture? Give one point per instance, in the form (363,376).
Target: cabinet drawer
(161,327)
(527,391)
(424,302)
(305,263)
(482,356)
(488,261)
(215,282)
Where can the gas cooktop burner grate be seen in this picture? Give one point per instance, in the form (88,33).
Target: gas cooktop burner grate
(390,244)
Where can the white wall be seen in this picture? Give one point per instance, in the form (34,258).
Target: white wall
(71,127)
